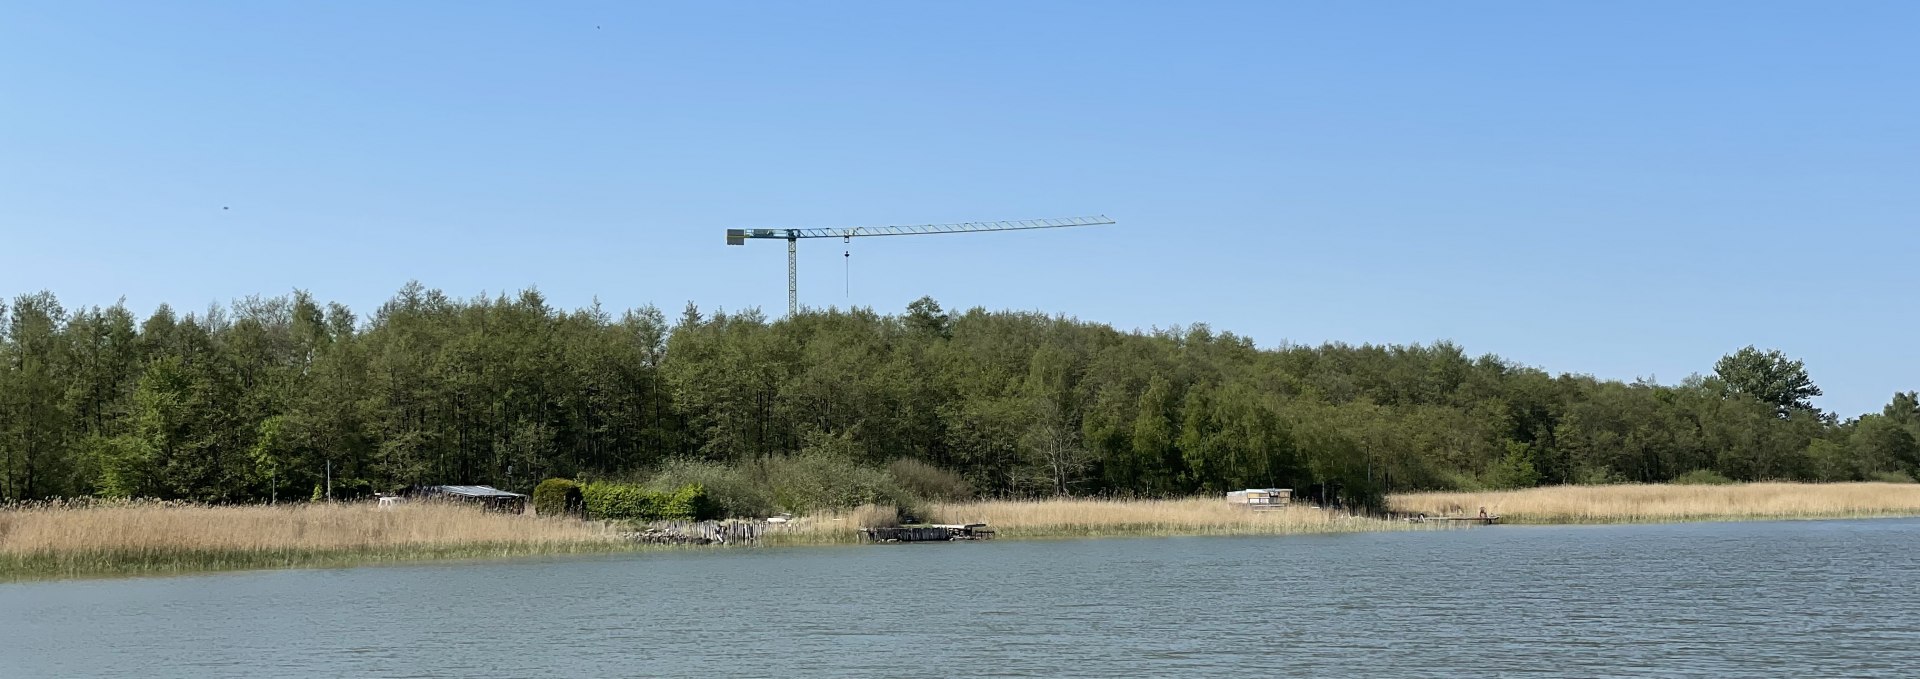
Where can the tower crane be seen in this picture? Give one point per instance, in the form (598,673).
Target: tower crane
(793,236)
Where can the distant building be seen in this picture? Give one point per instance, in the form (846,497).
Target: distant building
(1262,498)
(486,496)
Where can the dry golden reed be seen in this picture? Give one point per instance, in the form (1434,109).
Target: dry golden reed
(1069,517)
(1095,516)
(256,527)
(1190,516)
(1647,503)
(135,537)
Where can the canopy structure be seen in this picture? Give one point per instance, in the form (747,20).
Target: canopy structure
(471,491)
(486,496)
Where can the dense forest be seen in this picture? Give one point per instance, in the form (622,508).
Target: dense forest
(267,398)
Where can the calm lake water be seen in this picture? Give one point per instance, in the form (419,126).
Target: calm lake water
(1811,598)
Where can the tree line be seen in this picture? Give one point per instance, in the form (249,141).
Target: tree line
(271,397)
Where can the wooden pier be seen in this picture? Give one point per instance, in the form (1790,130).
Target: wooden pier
(1484,520)
(933,533)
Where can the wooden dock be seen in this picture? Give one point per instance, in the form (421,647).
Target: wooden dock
(933,533)
(1487,520)
(701,532)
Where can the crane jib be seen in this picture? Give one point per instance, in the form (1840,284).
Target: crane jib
(740,237)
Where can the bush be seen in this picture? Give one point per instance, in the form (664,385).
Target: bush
(928,482)
(730,491)
(816,481)
(618,501)
(1891,477)
(633,502)
(688,502)
(555,497)
(1702,477)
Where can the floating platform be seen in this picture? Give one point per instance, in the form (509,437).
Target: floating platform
(934,533)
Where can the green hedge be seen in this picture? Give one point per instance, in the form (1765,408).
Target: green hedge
(631,502)
(555,497)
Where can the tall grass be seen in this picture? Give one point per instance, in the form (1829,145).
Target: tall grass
(1190,516)
(130,538)
(831,527)
(126,538)
(1090,518)
(1653,503)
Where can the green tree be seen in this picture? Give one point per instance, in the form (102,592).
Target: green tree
(249,401)
(1880,443)
(1770,377)
(1155,465)
(36,428)
(1514,469)
(925,316)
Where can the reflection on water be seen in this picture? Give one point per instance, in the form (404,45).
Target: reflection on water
(1817,598)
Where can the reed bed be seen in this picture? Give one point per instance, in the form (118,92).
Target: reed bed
(1670,503)
(1059,518)
(841,527)
(1190,516)
(132,538)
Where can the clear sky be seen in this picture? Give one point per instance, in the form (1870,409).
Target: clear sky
(1626,189)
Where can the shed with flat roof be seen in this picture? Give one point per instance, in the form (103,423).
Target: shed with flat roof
(486,496)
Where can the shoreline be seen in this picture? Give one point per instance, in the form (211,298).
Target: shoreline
(1670,503)
(35,569)
(117,565)
(1708,519)
(136,539)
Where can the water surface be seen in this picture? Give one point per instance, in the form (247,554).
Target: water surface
(1812,598)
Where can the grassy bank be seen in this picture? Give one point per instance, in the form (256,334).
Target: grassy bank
(143,538)
(1668,503)
(1071,518)
(149,538)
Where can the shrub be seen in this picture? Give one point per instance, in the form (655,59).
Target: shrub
(618,501)
(928,482)
(730,491)
(1891,477)
(687,502)
(554,497)
(819,481)
(1702,477)
(633,502)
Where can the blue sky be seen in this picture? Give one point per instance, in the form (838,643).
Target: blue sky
(1623,189)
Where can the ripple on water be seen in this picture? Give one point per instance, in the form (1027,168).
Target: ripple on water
(1824,598)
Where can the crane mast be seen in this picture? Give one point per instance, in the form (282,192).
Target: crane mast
(793,236)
